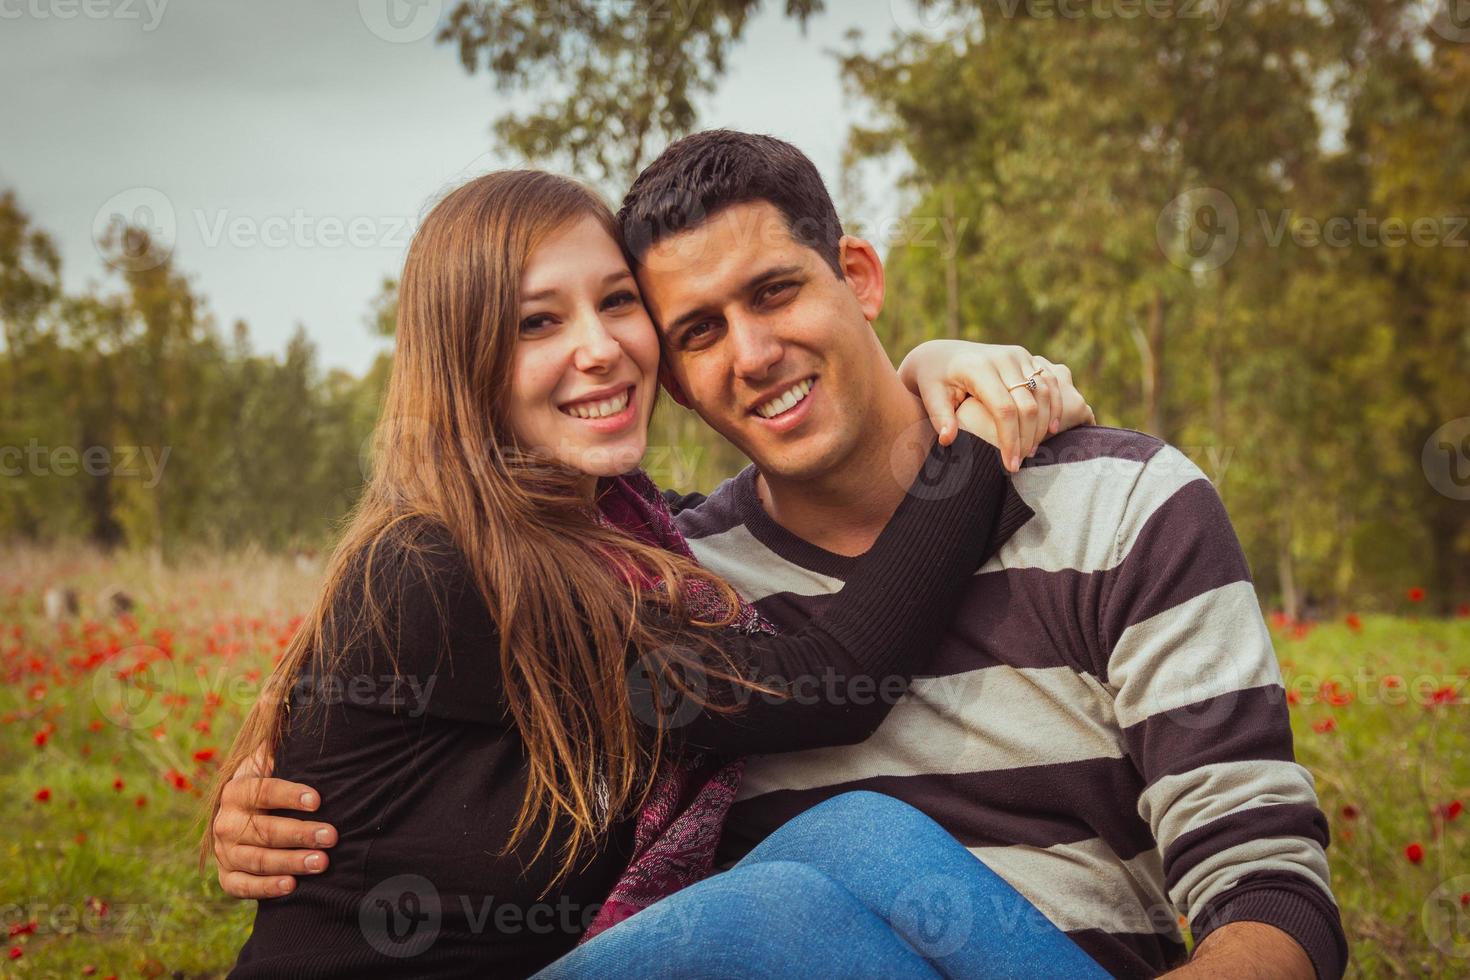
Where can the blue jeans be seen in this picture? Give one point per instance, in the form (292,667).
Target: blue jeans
(861,885)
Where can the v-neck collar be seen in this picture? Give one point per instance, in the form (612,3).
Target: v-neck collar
(1014,513)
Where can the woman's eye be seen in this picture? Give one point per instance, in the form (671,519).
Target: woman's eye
(619,300)
(531,324)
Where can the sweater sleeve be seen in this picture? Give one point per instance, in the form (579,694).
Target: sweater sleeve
(438,647)
(682,501)
(841,674)
(1199,697)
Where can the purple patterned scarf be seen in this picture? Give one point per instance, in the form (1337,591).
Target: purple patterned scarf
(678,829)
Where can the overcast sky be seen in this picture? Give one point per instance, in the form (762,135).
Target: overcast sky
(292,144)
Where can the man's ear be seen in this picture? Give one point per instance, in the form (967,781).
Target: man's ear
(863,271)
(670,383)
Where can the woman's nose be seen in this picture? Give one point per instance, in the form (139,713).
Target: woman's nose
(597,349)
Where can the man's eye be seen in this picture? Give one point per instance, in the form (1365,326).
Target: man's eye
(697,331)
(775,290)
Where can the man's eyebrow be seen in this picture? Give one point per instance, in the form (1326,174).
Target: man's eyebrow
(754,282)
(607,280)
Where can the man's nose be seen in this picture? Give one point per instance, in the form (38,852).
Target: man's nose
(757,350)
(597,349)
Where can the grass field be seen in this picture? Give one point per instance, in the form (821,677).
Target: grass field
(109,727)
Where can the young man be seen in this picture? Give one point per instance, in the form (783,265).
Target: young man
(1104,724)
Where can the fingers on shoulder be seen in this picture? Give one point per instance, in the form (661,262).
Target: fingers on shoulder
(240,884)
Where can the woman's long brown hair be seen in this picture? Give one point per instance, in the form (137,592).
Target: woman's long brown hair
(557,583)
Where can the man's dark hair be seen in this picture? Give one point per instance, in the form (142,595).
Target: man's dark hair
(700,175)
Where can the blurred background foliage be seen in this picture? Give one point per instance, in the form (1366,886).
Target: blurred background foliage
(1040,152)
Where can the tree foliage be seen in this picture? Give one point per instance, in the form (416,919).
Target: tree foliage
(623,75)
(128,420)
(1303,372)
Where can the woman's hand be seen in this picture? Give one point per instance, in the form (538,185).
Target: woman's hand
(970,386)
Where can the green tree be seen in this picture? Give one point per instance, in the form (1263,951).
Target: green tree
(624,74)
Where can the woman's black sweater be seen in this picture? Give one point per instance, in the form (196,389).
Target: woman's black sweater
(422,773)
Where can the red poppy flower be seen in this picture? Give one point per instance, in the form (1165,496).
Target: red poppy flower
(1463,610)
(43,795)
(1465,900)
(205,755)
(23,929)
(140,802)
(16,952)
(1350,812)
(179,780)
(1416,594)
(41,738)
(1414,852)
(1293,697)
(117,784)
(1325,725)
(1354,623)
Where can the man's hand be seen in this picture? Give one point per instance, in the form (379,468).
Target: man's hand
(258,853)
(1247,950)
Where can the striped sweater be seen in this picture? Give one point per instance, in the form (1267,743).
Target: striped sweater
(1104,723)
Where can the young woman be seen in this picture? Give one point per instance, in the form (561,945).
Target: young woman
(513,645)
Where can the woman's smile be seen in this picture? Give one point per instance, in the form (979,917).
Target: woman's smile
(605,413)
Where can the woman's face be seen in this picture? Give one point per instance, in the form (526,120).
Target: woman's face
(586,364)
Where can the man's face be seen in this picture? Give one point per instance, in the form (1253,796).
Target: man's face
(764,340)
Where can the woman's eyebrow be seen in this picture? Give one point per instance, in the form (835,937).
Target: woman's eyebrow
(550,291)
